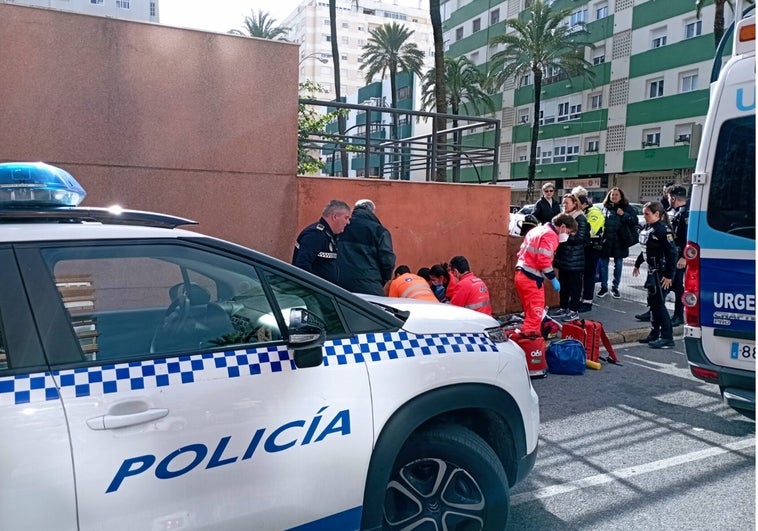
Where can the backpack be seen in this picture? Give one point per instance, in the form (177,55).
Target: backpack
(566,356)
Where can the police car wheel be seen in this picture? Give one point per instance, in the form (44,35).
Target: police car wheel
(447,477)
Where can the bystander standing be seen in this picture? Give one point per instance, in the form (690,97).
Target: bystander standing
(316,245)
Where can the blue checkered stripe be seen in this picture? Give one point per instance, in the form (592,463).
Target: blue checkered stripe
(144,374)
(400,345)
(151,374)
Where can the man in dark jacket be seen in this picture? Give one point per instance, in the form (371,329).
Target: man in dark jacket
(679,222)
(366,259)
(316,246)
(548,206)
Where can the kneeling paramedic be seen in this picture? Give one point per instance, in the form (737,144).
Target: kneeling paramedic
(535,263)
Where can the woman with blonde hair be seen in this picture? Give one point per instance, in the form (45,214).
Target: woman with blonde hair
(569,260)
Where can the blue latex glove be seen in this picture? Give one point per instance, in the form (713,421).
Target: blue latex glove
(556,284)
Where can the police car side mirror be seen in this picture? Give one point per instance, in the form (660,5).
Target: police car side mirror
(306,335)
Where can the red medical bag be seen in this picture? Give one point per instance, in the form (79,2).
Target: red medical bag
(533,346)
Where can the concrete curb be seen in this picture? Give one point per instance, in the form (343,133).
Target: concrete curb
(634,335)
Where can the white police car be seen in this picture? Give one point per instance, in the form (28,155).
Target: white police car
(153,378)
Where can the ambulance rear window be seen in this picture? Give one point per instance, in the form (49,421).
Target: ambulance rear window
(731,201)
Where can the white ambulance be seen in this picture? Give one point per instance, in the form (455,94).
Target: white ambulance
(719,332)
(153,378)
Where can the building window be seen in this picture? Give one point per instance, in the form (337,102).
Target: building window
(693,28)
(651,137)
(474,57)
(521,154)
(601,12)
(494,16)
(598,55)
(544,156)
(593,146)
(360,27)
(122,4)
(476,25)
(655,89)
(327,38)
(682,133)
(343,57)
(326,22)
(578,17)
(688,81)
(523,116)
(458,34)
(403,93)
(345,25)
(345,40)
(361,42)
(575,111)
(152,8)
(100,2)
(658,37)
(525,80)
(563,111)
(596,101)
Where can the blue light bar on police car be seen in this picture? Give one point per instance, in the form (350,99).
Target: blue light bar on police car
(25,184)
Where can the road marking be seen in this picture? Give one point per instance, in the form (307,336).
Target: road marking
(623,473)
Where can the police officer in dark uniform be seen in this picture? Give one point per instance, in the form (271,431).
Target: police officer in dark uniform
(679,221)
(657,240)
(316,246)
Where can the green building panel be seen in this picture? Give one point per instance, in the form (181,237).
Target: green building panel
(590,122)
(591,164)
(476,175)
(568,86)
(372,90)
(584,165)
(649,13)
(465,14)
(486,138)
(675,55)
(677,107)
(652,159)
(601,29)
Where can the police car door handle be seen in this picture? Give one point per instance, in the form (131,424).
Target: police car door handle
(109,422)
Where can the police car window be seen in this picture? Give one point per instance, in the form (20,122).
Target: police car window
(731,199)
(290,294)
(141,300)
(3,357)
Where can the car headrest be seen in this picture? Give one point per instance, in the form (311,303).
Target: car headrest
(196,293)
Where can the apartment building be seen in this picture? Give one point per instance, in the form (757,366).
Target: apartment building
(139,10)
(631,125)
(309,25)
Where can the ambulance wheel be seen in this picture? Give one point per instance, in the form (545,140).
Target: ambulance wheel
(447,477)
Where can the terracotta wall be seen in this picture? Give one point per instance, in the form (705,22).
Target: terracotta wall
(196,124)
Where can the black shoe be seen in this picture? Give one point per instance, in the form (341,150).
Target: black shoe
(585,307)
(645,317)
(603,292)
(661,343)
(615,293)
(676,321)
(649,339)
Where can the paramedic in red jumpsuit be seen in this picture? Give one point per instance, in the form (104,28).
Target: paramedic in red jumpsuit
(535,263)
(471,292)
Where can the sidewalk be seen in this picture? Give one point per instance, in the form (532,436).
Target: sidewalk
(617,316)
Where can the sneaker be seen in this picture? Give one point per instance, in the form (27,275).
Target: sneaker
(677,321)
(649,339)
(570,316)
(645,317)
(603,292)
(661,343)
(615,293)
(558,312)
(585,307)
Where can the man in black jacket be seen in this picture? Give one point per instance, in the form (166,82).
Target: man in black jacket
(366,259)
(316,246)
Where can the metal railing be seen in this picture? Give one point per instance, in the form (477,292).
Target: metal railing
(382,142)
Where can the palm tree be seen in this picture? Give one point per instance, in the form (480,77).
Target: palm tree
(439,83)
(341,122)
(389,51)
(718,18)
(465,92)
(541,42)
(262,26)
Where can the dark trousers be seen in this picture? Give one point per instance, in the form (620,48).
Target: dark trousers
(660,321)
(571,289)
(677,286)
(591,258)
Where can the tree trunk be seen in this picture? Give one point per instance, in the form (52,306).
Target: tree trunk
(439,84)
(341,122)
(394,133)
(457,140)
(535,134)
(718,20)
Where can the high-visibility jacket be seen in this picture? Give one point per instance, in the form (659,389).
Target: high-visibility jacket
(412,286)
(471,292)
(535,258)
(596,220)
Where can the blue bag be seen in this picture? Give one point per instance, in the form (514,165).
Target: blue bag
(566,356)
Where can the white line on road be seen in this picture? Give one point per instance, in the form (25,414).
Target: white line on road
(623,473)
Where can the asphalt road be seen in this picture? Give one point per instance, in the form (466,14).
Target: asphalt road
(643,446)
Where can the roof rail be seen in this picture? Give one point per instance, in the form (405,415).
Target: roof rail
(98,215)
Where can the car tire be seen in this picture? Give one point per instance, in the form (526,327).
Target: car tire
(447,477)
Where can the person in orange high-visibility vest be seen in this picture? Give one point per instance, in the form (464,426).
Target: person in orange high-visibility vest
(410,286)
(535,263)
(471,292)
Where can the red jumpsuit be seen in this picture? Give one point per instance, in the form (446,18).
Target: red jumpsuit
(471,292)
(535,263)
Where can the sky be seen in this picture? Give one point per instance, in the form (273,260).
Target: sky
(220,15)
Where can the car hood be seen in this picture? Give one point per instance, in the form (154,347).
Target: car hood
(435,317)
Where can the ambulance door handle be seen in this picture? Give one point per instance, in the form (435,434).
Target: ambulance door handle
(109,422)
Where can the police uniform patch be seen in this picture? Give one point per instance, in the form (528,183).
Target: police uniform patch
(319,227)
(670,237)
